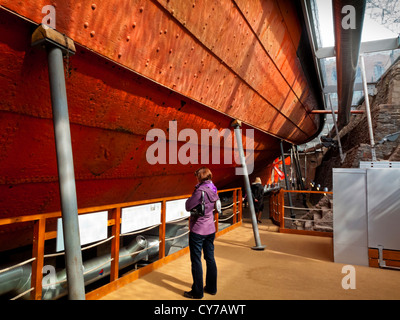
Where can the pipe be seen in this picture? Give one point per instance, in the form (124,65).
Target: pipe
(329,112)
(238,134)
(337,131)
(287,182)
(300,180)
(348,16)
(367,109)
(65,165)
(99,267)
(18,280)
(297,166)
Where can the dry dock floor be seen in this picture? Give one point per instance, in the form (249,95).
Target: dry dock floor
(291,267)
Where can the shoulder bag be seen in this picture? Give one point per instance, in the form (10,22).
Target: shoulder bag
(199,210)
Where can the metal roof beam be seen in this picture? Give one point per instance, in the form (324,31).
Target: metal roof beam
(357,87)
(366,47)
(348,17)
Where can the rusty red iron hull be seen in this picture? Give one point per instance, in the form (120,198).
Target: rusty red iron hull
(138,66)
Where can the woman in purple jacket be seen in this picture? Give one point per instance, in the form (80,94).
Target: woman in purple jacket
(202,235)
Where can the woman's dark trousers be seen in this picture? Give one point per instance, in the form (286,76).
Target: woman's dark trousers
(198,242)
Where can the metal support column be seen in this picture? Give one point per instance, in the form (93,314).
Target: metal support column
(367,109)
(292,215)
(238,134)
(55,44)
(296,159)
(300,181)
(342,156)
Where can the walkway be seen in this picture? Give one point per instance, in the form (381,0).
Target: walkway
(291,267)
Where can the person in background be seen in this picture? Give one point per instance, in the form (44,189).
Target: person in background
(258,198)
(202,235)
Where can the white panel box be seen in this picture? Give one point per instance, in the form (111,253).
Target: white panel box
(92,228)
(176,210)
(384,208)
(140,217)
(350,240)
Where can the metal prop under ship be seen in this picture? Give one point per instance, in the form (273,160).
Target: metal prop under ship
(142,65)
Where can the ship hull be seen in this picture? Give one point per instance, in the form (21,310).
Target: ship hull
(157,65)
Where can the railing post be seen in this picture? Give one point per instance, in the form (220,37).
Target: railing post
(38,253)
(161,251)
(240,204)
(277,206)
(216,220)
(271,206)
(234,207)
(116,231)
(281,208)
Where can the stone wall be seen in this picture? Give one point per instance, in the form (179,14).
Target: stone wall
(355,140)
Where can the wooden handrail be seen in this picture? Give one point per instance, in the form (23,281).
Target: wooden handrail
(40,236)
(57,214)
(277,211)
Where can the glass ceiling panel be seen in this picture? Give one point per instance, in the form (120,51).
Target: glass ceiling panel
(381,21)
(328,71)
(385,12)
(376,64)
(323,19)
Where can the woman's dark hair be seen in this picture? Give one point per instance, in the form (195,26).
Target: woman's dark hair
(203,174)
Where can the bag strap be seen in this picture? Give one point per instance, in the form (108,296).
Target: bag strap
(210,199)
(217,203)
